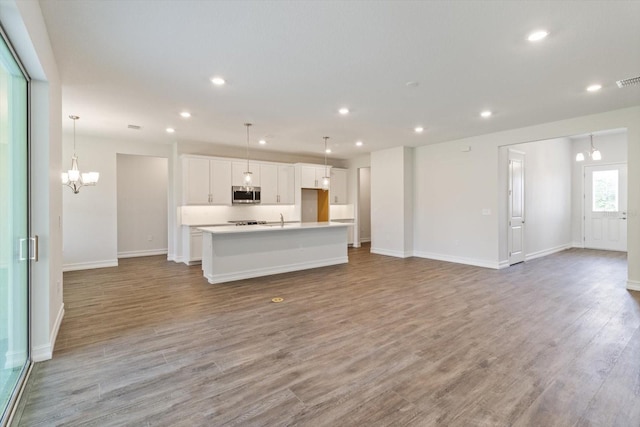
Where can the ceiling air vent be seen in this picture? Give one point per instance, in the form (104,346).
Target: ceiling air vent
(134,127)
(628,82)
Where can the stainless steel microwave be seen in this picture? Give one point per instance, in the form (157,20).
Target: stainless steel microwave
(240,195)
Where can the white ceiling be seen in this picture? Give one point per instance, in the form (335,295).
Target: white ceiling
(291,64)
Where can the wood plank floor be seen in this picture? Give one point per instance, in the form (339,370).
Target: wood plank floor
(380,341)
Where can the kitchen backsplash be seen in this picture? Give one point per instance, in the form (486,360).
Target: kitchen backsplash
(211,215)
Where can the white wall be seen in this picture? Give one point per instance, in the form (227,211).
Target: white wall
(392,202)
(547,196)
(24,25)
(142,205)
(364,204)
(613,146)
(452,187)
(90,226)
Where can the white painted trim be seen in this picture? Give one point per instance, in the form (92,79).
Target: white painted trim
(397,254)
(90,265)
(365,239)
(579,245)
(545,252)
(633,285)
(459,260)
(45,352)
(147,252)
(248,274)
(176,258)
(503,264)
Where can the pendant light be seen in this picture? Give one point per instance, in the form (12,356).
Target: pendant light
(73,178)
(325,179)
(593,153)
(247,174)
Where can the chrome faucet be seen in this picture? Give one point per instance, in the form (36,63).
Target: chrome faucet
(281,221)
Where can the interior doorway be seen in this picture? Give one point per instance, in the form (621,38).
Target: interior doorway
(364,205)
(142,183)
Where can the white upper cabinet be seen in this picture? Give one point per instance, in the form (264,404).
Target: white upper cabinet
(277,184)
(220,184)
(311,176)
(286,188)
(206,182)
(338,192)
(196,182)
(238,169)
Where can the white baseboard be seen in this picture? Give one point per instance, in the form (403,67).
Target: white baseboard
(90,265)
(458,260)
(147,252)
(259,272)
(577,245)
(387,252)
(503,264)
(365,239)
(176,258)
(633,285)
(545,252)
(45,352)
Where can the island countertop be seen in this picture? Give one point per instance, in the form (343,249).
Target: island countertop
(271,227)
(241,252)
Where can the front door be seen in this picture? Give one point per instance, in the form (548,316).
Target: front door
(14,243)
(605,207)
(516,206)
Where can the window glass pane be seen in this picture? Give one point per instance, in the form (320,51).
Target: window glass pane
(605,191)
(13,227)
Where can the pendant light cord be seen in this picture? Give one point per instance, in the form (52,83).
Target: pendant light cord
(325,155)
(247,125)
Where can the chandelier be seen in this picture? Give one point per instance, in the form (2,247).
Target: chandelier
(594,153)
(73,178)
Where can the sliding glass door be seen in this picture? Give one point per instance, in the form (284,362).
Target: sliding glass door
(15,245)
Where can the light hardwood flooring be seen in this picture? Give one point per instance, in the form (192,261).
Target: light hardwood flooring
(380,341)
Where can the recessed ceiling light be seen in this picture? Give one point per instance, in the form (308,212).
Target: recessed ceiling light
(185,114)
(486,114)
(359,143)
(537,35)
(344,111)
(594,88)
(418,129)
(218,81)
(170,130)
(262,142)
(328,150)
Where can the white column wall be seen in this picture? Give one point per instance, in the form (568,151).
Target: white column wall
(391,198)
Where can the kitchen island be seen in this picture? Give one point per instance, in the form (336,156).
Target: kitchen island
(235,253)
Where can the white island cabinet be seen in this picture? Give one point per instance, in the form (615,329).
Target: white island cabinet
(235,253)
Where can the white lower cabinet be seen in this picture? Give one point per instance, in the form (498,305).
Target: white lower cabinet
(191,245)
